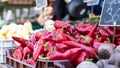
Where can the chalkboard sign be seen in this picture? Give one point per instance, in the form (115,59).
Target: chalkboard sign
(111,13)
(41,3)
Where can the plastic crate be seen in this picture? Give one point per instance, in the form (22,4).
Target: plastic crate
(40,63)
(5,45)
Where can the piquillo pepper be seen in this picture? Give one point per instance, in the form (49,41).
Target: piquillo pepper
(58,35)
(38,50)
(88,40)
(104,33)
(61,47)
(22,41)
(44,34)
(61,24)
(17,54)
(48,46)
(70,54)
(31,45)
(81,57)
(20,47)
(34,37)
(30,61)
(71,38)
(27,53)
(91,51)
(110,30)
(83,28)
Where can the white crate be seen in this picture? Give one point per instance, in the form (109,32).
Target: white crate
(2,58)
(5,45)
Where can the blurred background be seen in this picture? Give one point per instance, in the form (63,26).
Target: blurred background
(21,11)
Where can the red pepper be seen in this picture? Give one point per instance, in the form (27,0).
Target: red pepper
(61,24)
(58,35)
(88,40)
(61,47)
(81,57)
(117,35)
(91,51)
(104,33)
(32,37)
(70,31)
(44,33)
(30,61)
(48,37)
(35,36)
(118,41)
(42,41)
(71,38)
(27,53)
(110,30)
(92,30)
(97,37)
(38,50)
(22,41)
(20,47)
(77,36)
(17,54)
(83,28)
(70,54)
(48,46)
(31,45)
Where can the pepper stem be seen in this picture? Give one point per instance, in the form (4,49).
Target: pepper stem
(44,58)
(108,39)
(28,56)
(87,59)
(97,36)
(52,49)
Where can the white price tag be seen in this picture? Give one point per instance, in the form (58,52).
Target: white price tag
(32,11)
(93,2)
(17,13)
(41,3)
(87,0)
(25,12)
(9,15)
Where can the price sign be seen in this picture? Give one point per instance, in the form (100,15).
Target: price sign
(17,13)
(110,15)
(93,2)
(41,3)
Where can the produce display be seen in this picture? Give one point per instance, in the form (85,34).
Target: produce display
(23,31)
(76,43)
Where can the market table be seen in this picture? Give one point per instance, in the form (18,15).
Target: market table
(5,66)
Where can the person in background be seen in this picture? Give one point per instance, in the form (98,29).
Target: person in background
(60,9)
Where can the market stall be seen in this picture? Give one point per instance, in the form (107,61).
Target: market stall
(83,37)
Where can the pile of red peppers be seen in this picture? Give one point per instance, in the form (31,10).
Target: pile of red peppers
(72,42)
